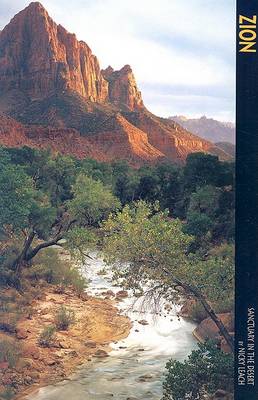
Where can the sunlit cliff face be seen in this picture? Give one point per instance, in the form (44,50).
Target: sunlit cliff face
(50,79)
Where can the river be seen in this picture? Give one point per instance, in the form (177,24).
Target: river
(135,366)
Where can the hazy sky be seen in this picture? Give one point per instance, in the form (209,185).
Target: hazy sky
(182,51)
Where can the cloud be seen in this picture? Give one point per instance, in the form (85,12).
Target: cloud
(169,44)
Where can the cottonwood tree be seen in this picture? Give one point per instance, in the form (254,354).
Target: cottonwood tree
(31,212)
(144,244)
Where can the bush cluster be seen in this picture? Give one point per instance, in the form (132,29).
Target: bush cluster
(206,370)
(49,267)
(47,337)
(64,318)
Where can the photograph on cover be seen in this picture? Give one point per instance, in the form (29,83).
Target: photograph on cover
(117,181)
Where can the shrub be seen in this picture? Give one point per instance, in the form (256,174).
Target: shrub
(48,336)
(73,277)
(10,311)
(64,318)
(205,371)
(8,321)
(7,302)
(9,351)
(49,267)
(7,394)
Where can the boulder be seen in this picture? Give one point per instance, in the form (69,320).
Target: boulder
(186,308)
(145,378)
(101,354)
(207,329)
(91,344)
(194,310)
(30,350)
(64,344)
(110,293)
(122,294)
(143,322)
(168,307)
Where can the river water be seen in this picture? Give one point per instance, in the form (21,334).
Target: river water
(135,366)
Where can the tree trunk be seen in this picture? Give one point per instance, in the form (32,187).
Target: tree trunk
(199,296)
(50,242)
(41,246)
(22,256)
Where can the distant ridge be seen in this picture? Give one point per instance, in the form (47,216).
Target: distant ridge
(229,148)
(208,128)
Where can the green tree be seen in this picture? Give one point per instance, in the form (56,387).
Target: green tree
(217,276)
(205,371)
(125,181)
(149,246)
(160,183)
(57,178)
(99,171)
(201,214)
(91,202)
(201,169)
(29,209)
(32,160)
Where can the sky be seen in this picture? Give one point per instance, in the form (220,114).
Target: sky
(182,52)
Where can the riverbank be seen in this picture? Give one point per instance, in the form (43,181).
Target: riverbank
(206,329)
(97,324)
(136,365)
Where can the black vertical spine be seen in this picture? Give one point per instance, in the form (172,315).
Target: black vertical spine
(246,210)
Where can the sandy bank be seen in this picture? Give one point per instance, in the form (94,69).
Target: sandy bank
(97,324)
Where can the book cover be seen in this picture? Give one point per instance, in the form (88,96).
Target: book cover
(129,200)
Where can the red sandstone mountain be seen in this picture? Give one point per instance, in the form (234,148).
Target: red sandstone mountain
(53,85)
(39,57)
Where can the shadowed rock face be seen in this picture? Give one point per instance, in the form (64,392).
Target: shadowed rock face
(52,84)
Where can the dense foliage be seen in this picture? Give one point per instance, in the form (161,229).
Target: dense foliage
(148,244)
(200,192)
(205,370)
(166,226)
(46,199)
